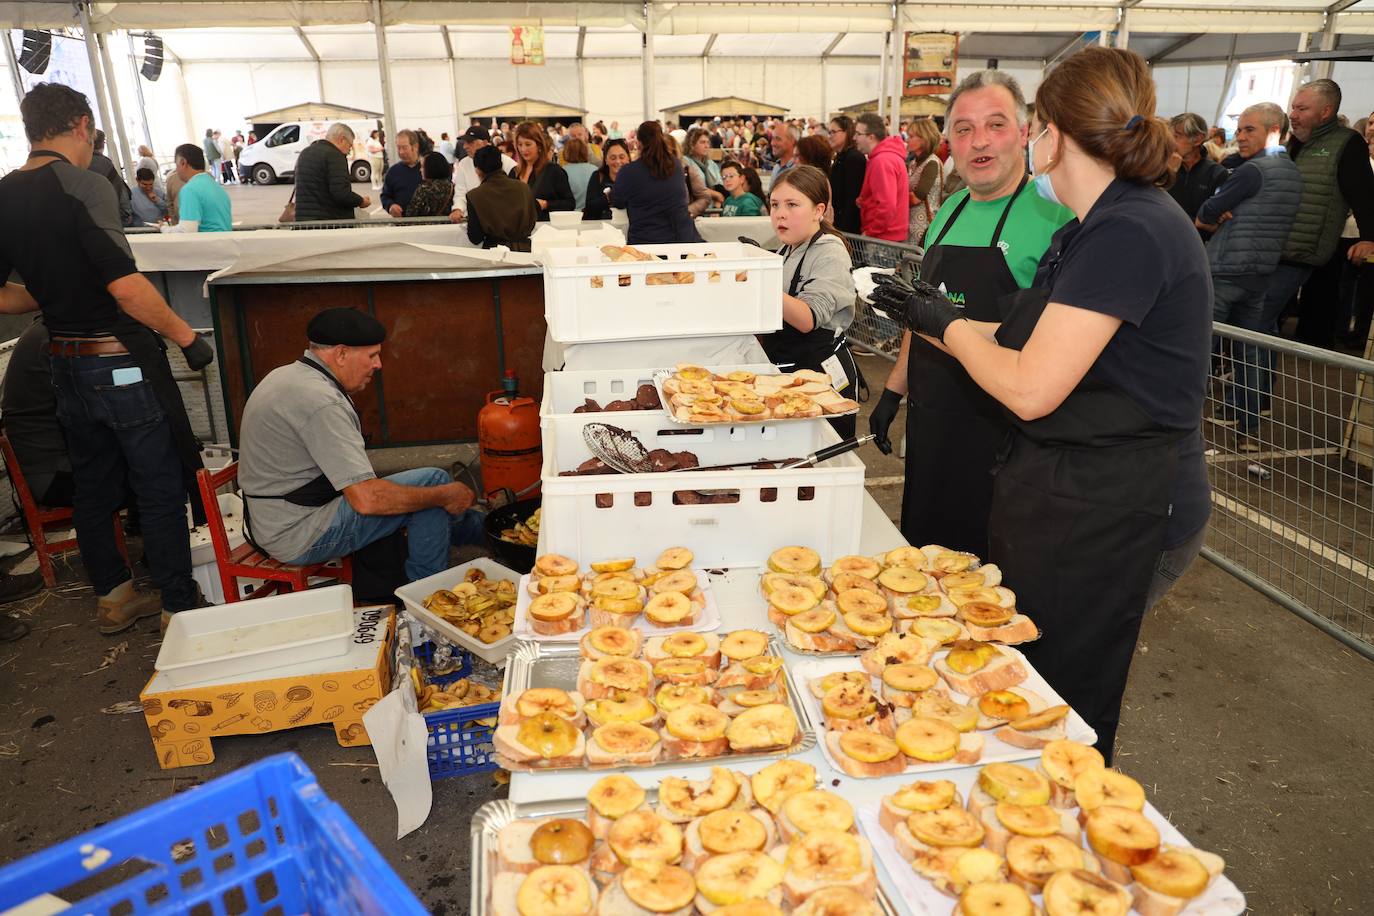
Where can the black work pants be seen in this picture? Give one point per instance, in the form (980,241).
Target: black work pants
(119,438)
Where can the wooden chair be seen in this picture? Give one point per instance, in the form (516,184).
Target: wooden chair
(39,519)
(245,561)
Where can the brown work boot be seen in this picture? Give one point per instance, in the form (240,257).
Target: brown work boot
(123,607)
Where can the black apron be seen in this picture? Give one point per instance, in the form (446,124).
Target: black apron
(954,429)
(149,350)
(1081,504)
(378,567)
(790,349)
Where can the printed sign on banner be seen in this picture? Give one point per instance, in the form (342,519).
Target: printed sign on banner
(527,45)
(931,58)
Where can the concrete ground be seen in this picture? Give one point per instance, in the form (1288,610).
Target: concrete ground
(1248,727)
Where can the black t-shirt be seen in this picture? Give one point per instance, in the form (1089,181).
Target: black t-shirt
(61,233)
(1138,258)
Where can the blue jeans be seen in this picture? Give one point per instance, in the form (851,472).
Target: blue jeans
(119,433)
(429,532)
(1234,304)
(1284,283)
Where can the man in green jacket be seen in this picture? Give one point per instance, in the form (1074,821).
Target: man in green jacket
(1334,164)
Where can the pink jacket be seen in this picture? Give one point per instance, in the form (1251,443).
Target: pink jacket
(883,201)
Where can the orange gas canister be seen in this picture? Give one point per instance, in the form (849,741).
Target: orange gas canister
(509,441)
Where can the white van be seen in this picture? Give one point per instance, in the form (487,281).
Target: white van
(273,157)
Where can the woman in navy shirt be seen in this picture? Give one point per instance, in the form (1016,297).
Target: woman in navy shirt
(1102,500)
(653,189)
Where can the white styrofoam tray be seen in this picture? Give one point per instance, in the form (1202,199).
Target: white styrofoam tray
(994,749)
(715,303)
(1222,897)
(707,620)
(821,506)
(211,644)
(415,593)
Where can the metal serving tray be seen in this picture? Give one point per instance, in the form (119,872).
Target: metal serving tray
(542,664)
(491,817)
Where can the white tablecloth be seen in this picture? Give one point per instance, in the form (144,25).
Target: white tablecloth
(391,248)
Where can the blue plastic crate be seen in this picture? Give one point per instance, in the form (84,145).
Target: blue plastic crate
(264,839)
(458,743)
(424,654)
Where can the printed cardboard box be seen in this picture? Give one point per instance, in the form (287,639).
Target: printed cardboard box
(184,720)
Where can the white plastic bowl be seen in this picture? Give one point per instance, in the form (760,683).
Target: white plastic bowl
(566,219)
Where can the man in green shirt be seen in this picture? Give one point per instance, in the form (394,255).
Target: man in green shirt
(202,204)
(984,244)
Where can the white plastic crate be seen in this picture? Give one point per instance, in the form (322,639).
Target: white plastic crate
(415,593)
(577,311)
(206,645)
(613,515)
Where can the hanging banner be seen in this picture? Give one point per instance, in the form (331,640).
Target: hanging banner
(527,45)
(931,58)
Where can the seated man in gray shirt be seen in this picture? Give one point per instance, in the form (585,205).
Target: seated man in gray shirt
(311,492)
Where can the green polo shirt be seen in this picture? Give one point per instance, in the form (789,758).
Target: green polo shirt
(1033,221)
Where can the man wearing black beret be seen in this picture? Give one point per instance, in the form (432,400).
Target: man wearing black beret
(311,493)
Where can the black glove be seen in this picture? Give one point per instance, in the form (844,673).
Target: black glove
(198,353)
(916,306)
(880,421)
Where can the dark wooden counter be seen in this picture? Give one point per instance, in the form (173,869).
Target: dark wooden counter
(451,336)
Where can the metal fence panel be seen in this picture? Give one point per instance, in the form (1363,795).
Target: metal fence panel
(872,331)
(1290,453)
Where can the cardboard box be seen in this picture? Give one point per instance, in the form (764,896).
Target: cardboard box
(183,720)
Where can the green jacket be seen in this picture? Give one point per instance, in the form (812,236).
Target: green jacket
(1322,210)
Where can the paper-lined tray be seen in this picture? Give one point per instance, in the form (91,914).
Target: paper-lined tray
(662,375)
(994,750)
(708,618)
(1222,897)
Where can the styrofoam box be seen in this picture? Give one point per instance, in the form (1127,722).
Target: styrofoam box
(415,593)
(578,312)
(208,644)
(564,391)
(770,511)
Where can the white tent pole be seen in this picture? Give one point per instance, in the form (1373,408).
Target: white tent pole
(1303,70)
(1123,28)
(1227,81)
(898,66)
(453,78)
(384,68)
(13,63)
(97,78)
(125,153)
(1328,43)
(882,78)
(648,61)
(138,93)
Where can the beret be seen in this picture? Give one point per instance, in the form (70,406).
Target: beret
(349,327)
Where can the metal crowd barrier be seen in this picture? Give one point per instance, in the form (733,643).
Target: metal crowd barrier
(1291,460)
(875,333)
(320,224)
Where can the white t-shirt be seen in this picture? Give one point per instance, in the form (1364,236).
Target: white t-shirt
(465,179)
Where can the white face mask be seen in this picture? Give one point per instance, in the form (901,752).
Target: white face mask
(1043,186)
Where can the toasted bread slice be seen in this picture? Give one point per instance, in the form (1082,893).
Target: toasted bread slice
(604,618)
(996,834)
(824,641)
(1149,902)
(615,902)
(1036,702)
(1015,631)
(597,756)
(513,845)
(591,653)
(1003,672)
(1033,739)
(515,756)
(798,884)
(891,815)
(504,890)
(509,713)
(570,624)
(890,767)
(653,650)
(675,748)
